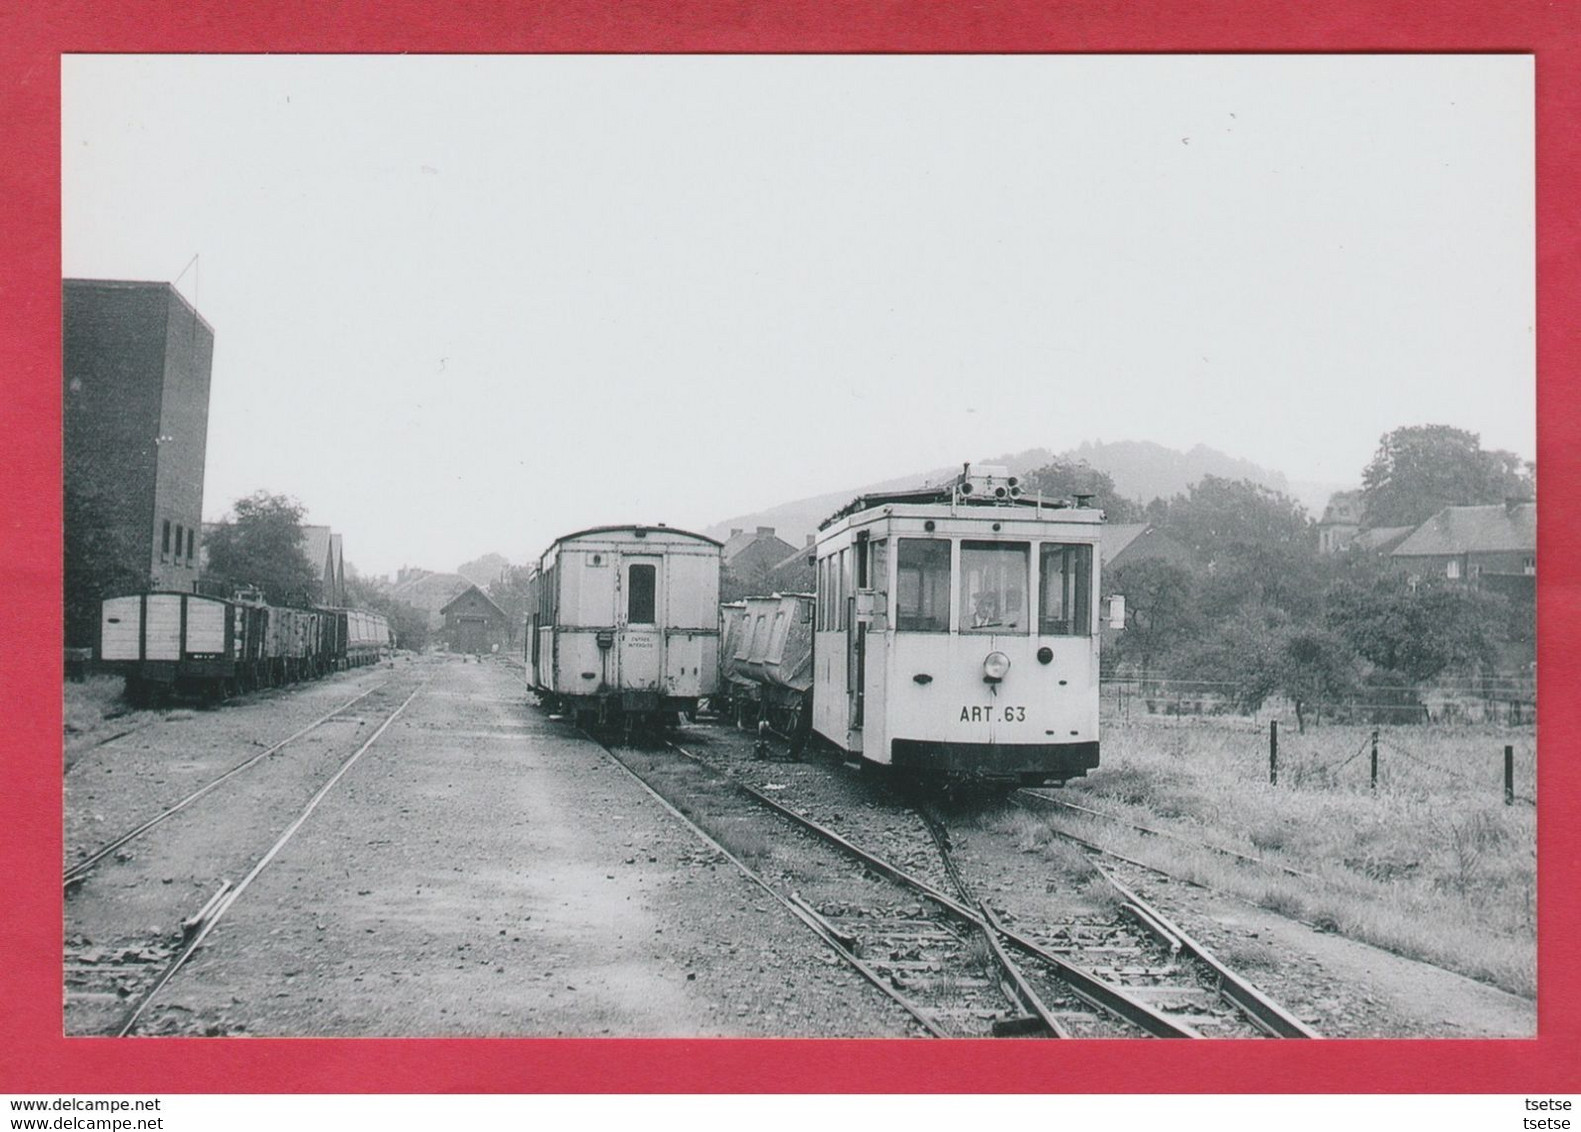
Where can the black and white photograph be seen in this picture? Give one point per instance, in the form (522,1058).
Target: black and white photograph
(720,546)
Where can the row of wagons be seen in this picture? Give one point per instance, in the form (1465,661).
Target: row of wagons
(214,647)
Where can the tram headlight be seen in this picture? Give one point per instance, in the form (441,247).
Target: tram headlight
(995,665)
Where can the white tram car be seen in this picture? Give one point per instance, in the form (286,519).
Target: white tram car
(956,632)
(623,622)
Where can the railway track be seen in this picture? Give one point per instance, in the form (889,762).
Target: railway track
(1155,960)
(1097,972)
(82,869)
(948,959)
(134,974)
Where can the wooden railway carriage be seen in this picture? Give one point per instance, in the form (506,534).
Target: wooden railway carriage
(189,643)
(623,622)
(957,632)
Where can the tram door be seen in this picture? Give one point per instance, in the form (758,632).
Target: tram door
(856,662)
(642,641)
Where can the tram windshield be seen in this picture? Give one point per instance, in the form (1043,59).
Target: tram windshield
(922,584)
(1064,591)
(994,586)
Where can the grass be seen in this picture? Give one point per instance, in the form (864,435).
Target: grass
(1432,864)
(89,704)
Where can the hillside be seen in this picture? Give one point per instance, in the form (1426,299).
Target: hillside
(1141,470)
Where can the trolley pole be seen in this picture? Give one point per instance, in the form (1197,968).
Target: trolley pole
(1509,775)
(1375,758)
(1273,752)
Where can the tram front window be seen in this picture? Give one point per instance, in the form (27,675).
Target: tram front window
(922,584)
(994,587)
(1064,591)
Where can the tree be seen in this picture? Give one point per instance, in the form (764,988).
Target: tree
(1417,632)
(1261,651)
(1217,517)
(1421,469)
(407,622)
(98,558)
(1242,655)
(1313,667)
(260,544)
(1291,578)
(509,592)
(1162,611)
(1065,478)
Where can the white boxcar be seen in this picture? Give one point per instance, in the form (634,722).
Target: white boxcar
(623,621)
(957,632)
(169,639)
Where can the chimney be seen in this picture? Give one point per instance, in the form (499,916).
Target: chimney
(734,531)
(765,532)
(811,539)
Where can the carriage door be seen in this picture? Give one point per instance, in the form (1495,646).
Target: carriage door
(642,642)
(857,609)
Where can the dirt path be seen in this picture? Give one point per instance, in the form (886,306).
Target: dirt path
(486,871)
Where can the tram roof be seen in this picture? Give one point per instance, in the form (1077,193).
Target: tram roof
(946,498)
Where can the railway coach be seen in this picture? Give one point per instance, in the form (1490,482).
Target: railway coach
(956,632)
(623,623)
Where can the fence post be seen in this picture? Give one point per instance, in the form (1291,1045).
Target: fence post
(1273,752)
(1375,758)
(1509,775)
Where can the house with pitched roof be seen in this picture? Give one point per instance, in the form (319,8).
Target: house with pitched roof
(1341,521)
(1124,543)
(1493,546)
(428,591)
(322,547)
(474,623)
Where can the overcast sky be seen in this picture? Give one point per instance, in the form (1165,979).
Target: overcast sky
(465,304)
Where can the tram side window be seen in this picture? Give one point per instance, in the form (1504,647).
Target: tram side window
(994,586)
(1065,591)
(922,585)
(825,593)
(843,587)
(640,593)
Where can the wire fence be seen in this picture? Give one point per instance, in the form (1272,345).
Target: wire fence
(1313,760)
(1507,701)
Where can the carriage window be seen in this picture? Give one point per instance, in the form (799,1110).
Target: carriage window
(923,584)
(878,576)
(994,587)
(640,594)
(842,587)
(1064,591)
(822,595)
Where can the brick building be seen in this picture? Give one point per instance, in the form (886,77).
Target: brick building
(473,623)
(136,361)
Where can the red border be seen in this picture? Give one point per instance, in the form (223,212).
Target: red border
(35,1058)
